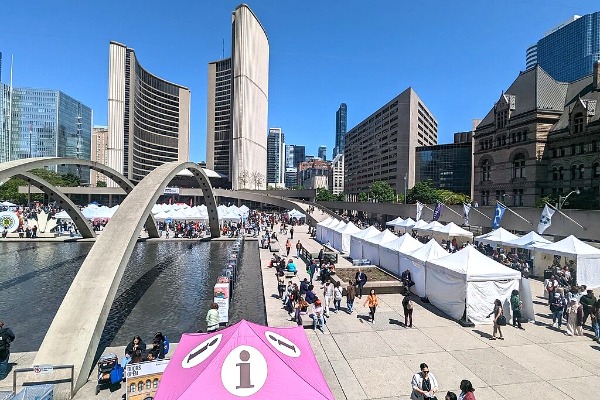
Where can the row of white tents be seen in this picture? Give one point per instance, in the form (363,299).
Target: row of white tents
(434,229)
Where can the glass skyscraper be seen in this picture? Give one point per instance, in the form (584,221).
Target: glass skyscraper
(568,52)
(448,166)
(275,157)
(45,123)
(341,124)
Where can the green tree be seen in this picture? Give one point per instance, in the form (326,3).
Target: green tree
(100,184)
(382,192)
(341,197)
(325,195)
(9,191)
(423,192)
(362,196)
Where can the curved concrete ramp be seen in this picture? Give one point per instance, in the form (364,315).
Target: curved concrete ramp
(75,332)
(83,226)
(12,168)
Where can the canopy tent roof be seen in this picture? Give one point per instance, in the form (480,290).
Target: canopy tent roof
(382,237)
(569,246)
(212,365)
(8,204)
(350,229)
(453,230)
(404,244)
(528,241)
(367,233)
(407,223)
(469,262)
(62,215)
(497,236)
(338,224)
(395,221)
(295,214)
(430,227)
(429,251)
(419,224)
(326,222)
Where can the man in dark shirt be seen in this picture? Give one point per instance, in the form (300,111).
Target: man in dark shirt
(360,279)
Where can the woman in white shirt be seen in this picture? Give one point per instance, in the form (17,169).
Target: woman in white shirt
(424,385)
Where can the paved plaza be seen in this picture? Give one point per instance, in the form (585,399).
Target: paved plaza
(363,360)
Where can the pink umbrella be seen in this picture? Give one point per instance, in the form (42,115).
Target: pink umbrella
(244,360)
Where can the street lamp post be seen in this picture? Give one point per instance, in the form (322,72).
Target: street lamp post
(563,199)
(405,176)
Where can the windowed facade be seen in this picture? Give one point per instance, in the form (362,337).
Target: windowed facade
(486,170)
(448,166)
(519,166)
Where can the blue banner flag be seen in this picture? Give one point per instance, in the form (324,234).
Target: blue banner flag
(437,212)
(500,209)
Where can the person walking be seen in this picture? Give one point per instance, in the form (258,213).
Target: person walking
(407,305)
(298,249)
(320,257)
(516,304)
(596,321)
(337,297)
(312,268)
(572,316)
(498,321)
(212,318)
(424,385)
(373,302)
(6,337)
(288,247)
(317,316)
(588,301)
(292,232)
(350,295)
(360,280)
(557,307)
(466,390)
(327,296)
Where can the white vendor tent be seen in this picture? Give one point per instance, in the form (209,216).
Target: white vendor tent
(391,252)
(357,241)
(469,277)
(586,257)
(429,228)
(62,215)
(404,225)
(395,223)
(341,237)
(527,242)
(415,262)
(450,231)
(328,231)
(495,237)
(371,245)
(418,225)
(320,226)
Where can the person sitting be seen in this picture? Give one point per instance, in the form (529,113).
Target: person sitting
(134,351)
(407,281)
(291,267)
(158,347)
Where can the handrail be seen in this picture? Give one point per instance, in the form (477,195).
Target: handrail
(52,381)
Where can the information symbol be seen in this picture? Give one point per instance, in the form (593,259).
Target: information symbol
(244,371)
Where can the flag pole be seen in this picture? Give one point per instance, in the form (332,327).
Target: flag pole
(448,208)
(504,205)
(475,209)
(566,216)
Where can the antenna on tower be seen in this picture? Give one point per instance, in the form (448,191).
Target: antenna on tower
(223,49)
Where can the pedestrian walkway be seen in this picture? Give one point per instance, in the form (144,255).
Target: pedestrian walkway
(363,360)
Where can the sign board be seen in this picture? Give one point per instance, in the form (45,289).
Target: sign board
(142,379)
(171,190)
(221,297)
(9,221)
(43,368)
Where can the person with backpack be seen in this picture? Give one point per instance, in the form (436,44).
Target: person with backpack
(337,297)
(557,307)
(515,305)
(6,337)
(407,305)
(551,287)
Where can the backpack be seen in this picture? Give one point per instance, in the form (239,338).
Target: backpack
(166,345)
(4,340)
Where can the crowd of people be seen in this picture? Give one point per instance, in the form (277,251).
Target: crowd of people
(137,351)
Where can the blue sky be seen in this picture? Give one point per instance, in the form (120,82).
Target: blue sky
(457,55)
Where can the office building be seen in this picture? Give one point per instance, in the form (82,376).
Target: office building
(382,147)
(46,123)
(568,52)
(4,122)
(238,90)
(322,153)
(341,122)
(308,170)
(448,166)
(276,158)
(291,177)
(99,153)
(540,139)
(148,117)
(336,181)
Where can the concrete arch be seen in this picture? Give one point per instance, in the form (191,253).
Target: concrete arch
(80,320)
(82,224)
(11,168)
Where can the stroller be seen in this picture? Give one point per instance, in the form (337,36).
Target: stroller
(110,372)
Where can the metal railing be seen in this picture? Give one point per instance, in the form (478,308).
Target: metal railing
(70,380)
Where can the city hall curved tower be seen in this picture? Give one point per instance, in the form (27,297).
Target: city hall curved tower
(237,106)
(148,117)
